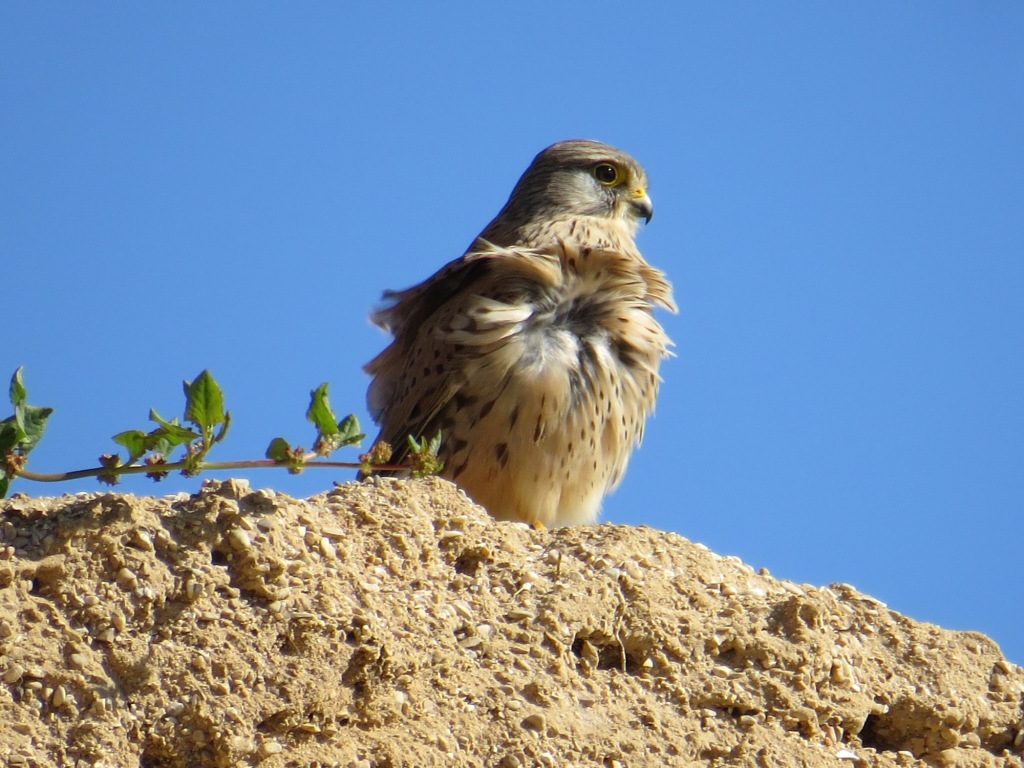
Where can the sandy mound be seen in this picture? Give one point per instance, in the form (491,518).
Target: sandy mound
(394,624)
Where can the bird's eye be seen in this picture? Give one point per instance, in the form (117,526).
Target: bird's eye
(606,173)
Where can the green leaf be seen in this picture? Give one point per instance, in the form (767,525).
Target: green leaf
(18,393)
(279,450)
(349,432)
(10,435)
(32,421)
(330,435)
(4,485)
(29,420)
(320,413)
(135,441)
(171,431)
(158,442)
(223,431)
(204,401)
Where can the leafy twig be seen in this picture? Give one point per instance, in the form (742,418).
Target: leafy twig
(19,433)
(204,410)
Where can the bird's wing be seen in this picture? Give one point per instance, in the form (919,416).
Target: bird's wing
(470,308)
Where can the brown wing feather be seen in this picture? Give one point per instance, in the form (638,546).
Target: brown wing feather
(472,302)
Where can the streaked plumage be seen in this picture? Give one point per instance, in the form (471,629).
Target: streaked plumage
(536,353)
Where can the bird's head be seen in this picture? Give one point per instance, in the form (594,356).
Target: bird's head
(582,178)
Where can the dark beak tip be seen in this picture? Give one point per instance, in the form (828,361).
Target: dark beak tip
(644,209)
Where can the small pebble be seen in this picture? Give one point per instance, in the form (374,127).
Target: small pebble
(536,721)
(239,540)
(270,747)
(13,673)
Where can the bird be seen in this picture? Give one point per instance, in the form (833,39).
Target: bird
(536,354)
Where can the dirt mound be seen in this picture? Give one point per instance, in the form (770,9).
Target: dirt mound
(392,623)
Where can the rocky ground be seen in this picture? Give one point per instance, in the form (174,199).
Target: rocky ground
(393,623)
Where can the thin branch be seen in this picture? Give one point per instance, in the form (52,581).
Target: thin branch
(206,466)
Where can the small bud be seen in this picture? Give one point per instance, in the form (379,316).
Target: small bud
(109,461)
(14,463)
(156,460)
(379,454)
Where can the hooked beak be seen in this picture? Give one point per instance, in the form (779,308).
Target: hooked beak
(642,204)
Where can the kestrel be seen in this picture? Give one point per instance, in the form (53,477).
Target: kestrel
(536,352)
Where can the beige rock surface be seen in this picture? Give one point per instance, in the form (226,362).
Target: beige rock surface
(393,623)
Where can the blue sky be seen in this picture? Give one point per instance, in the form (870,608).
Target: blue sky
(840,205)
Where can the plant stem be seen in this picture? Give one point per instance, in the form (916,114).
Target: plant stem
(139,469)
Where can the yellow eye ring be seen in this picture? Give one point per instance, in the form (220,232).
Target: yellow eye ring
(606,173)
